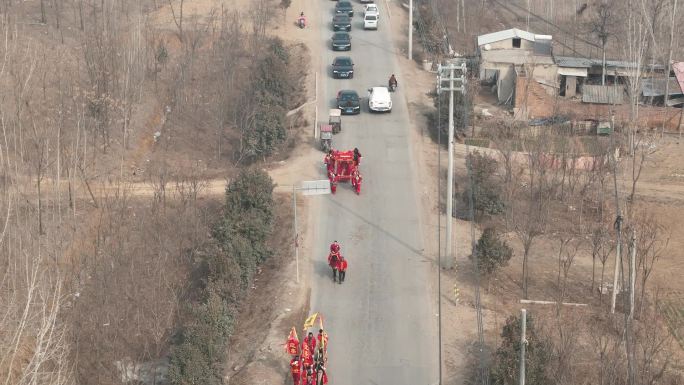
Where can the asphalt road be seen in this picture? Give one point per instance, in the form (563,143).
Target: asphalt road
(381,321)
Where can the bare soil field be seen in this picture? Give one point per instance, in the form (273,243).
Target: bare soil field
(659,192)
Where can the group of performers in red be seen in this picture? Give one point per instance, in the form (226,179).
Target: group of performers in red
(309,367)
(337,262)
(343,166)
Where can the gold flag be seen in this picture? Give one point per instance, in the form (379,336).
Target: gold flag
(310,321)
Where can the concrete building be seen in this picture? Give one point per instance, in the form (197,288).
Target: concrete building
(505,55)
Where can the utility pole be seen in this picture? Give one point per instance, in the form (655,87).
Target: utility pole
(523,344)
(450,69)
(669,59)
(410,31)
(632,275)
(618,261)
(618,220)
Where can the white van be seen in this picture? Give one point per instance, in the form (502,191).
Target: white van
(370,21)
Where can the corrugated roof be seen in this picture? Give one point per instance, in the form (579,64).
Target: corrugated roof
(656,87)
(678,69)
(509,34)
(602,94)
(582,62)
(574,62)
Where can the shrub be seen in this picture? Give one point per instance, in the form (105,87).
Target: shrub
(492,252)
(247,221)
(485,190)
(462,107)
(197,358)
(241,234)
(506,367)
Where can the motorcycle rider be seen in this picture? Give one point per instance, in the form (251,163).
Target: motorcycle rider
(393,82)
(302,20)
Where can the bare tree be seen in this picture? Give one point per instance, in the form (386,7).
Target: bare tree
(652,242)
(602,26)
(178,20)
(532,219)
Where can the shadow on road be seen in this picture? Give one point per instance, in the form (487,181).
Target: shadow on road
(322,269)
(380,229)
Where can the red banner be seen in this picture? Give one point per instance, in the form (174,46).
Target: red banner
(292,344)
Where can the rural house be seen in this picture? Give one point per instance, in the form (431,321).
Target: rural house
(505,55)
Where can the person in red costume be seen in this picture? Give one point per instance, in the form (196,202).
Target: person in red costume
(356,181)
(342,268)
(329,163)
(308,375)
(322,339)
(311,342)
(335,247)
(333,260)
(296,370)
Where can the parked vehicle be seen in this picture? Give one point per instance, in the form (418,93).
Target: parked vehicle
(379,99)
(326,137)
(343,67)
(370,22)
(344,7)
(335,120)
(371,9)
(341,23)
(348,102)
(341,41)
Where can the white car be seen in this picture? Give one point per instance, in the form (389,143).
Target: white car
(371,9)
(370,21)
(379,99)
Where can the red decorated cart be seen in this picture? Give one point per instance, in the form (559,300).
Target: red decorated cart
(343,166)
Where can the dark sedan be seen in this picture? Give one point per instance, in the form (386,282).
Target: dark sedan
(343,67)
(341,23)
(344,7)
(348,102)
(341,41)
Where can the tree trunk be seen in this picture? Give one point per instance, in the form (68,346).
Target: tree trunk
(593,272)
(525,272)
(603,67)
(669,59)
(42,11)
(603,269)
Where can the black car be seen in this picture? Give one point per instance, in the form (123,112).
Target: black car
(344,7)
(341,23)
(343,67)
(341,41)
(348,102)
